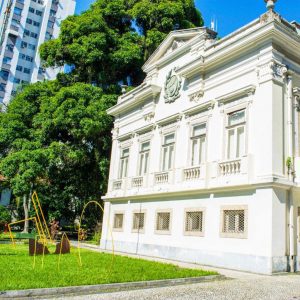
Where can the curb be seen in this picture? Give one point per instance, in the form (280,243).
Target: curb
(105,288)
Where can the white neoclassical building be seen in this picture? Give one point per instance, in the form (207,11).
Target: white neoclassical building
(205,163)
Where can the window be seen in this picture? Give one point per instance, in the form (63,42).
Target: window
(234,222)
(118,221)
(16,80)
(124,163)
(34,35)
(236,135)
(24,45)
(31,47)
(144,158)
(9,47)
(17,11)
(50,24)
(19,68)
(15,22)
(138,224)
(2,87)
(37,24)
(163,222)
(194,219)
(26,32)
(168,151)
(198,141)
(38,13)
(52,12)
(7,60)
(4,74)
(28,21)
(27,71)
(31,10)
(48,36)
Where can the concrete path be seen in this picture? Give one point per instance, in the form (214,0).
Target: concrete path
(240,286)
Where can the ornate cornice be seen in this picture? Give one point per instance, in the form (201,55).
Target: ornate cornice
(242,92)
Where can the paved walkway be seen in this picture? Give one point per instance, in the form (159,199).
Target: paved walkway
(240,286)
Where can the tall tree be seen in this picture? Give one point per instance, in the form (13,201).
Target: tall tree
(156,18)
(110,42)
(56,140)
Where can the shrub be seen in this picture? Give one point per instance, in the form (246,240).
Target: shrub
(5,216)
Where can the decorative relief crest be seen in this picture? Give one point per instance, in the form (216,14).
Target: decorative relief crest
(172,87)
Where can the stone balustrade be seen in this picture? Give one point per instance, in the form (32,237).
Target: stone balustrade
(191,173)
(230,167)
(137,182)
(117,184)
(161,178)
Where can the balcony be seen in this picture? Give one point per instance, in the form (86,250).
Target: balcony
(231,167)
(6,67)
(14,30)
(191,173)
(19,4)
(137,182)
(117,184)
(161,178)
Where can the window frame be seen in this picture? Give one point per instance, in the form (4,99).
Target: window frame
(141,173)
(163,146)
(235,235)
(163,232)
(235,128)
(118,229)
(121,166)
(138,230)
(194,233)
(192,138)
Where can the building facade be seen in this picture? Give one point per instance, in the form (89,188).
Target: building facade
(24,26)
(205,164)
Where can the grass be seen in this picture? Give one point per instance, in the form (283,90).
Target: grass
(17,269)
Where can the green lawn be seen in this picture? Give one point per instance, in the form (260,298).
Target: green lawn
(17,269)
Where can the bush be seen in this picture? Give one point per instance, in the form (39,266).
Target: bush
(5,216)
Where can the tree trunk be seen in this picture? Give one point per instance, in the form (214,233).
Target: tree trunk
(26,214)
(26,206)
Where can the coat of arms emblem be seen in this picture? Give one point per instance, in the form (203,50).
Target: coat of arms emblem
(172,87)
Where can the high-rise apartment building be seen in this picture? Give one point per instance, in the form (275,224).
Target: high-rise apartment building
(24,26)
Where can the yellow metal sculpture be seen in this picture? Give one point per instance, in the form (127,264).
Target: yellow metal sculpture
(43,235)
(79,229)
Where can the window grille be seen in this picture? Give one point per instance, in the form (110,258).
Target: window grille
(138,221)
(194,221)
(163,221)
(118,221)
(234,221)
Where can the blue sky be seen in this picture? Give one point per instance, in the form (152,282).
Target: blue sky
(232,14)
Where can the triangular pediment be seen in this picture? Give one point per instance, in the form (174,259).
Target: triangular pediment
(172,44)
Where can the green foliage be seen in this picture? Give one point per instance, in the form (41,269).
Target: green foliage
(56,139)
(17,272)
(55,136)
(4,215)
(106,48)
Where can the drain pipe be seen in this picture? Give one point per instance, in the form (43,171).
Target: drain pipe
(290,135)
